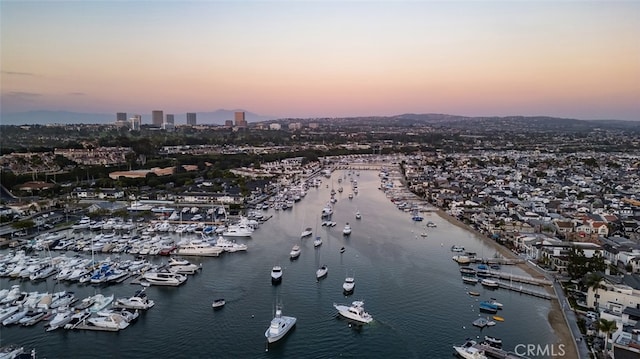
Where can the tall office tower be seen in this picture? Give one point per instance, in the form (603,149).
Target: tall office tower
(240,121)
(228,123)
(136,121)
(157,118)
(121,116)
(170,118)
(191,118)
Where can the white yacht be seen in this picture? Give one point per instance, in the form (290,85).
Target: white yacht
(280,326)
(230,246)
(347,229)
(60,319)
(112,322)
(354,312)
(469,351)
(322,271)
(295,252)
(349,284)
(182,266)
(83,223)
(164,278)
(138,300)
(358,215)
(198,248)
(317,242)
(276,274)
(306,233)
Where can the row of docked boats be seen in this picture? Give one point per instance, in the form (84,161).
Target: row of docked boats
(64,310)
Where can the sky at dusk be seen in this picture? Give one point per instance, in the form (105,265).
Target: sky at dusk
(323,59)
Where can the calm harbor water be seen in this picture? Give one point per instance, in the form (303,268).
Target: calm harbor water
(409,284)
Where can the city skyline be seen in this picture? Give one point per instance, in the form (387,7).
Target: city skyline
(323,59)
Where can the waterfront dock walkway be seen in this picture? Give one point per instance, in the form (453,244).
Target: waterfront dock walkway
(514,277)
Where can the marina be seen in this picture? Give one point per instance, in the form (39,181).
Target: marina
(382,254)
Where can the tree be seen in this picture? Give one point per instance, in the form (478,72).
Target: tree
(607,327)
(593,281)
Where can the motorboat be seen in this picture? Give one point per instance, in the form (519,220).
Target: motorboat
(295,252)
(230,246)
(60,319)
(489,283)
(113,322)
(496,303)
(138,300)
(100,302)
(15,317)
(349,285)
(358,215)
(493,341)
(462,259)
(218,303)
(306,233)
(182,266)
(354,312)
(457,248)
(276,274)
(32,318)
(280,326)
(198,248)
(322,271)
(317,242)
(77,319)
(469,351)
(8,311)
(488,307)
(164,278)
(467,270)
(469,279)
(473,294)
(347,229)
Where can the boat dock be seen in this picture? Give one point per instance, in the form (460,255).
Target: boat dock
(523,290)
(513,277)
(502,261)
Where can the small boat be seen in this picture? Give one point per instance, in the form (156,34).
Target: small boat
(489,283)
(139,300)
(164,278)
(280,326)
(306,233)
(218,303)
(342,250)
(423,234)
(461,259)
(349,285)
(480,322)
(470,280)
(496,303)
(475,294)
(347,229)
(322,271)
(457,248)
(317,242)
(498,318)
(488,308)
(467,270)
(358,215)
(354,312)
(295,252)
(276,274)
(493,341)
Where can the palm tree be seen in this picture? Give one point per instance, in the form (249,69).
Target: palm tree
(593,280)
(607,327)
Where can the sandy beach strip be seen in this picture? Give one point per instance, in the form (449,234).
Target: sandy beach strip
(555,317)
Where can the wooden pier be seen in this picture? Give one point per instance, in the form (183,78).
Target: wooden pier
(521,289)
(513,277)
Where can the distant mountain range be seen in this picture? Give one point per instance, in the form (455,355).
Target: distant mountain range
(217,117)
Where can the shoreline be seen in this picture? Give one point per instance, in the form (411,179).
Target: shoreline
(555,317)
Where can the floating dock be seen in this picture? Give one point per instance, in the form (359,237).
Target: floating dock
(523,290)
(492,352)
(513,277)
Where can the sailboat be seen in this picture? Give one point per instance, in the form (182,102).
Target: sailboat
(317,242)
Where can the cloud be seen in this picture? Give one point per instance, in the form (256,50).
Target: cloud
(17,73)
(77,94)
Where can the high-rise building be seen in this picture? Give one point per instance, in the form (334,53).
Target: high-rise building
(240,120)
(121,116)
(191,118)
(136,121)
(170,118)
(169,123)
(228,123)
(157,118)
